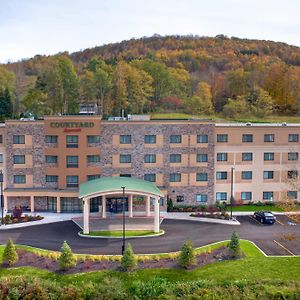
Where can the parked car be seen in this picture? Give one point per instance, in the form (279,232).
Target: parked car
(264,217)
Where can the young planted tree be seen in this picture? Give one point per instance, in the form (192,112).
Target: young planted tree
(234,246)
(187,257)
(128,261)
(66,259)
(10,255)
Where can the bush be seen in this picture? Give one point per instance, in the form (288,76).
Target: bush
(186,256)
(128,261)
(10,255)
(17,212)
(170,205)
(234,246)
(66,259)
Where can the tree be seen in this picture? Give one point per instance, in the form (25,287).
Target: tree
(66,259)
(197,105)
(261,102)
(10,255)
(120,89)
(233,108)
(6,108)
(36,102)
(187,257)
(128,261)
(234,247)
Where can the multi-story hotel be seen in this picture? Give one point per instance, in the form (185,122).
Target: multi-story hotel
(190,161)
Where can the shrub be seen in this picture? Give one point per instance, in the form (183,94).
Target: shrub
(17,212)
(128,260)
(186,256)
(10,255)
(234,246)
(66,259)
(170,205)
(259,203)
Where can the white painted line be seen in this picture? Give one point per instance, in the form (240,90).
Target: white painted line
(285,248)
(277,221)
(252,218)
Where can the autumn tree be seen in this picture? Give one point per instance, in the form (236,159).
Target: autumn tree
(233,108)
(36,102)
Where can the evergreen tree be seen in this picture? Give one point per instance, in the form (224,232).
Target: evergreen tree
(128,261)
(6,108)
(66,259)
(10,255)
(187,257)
(234,246)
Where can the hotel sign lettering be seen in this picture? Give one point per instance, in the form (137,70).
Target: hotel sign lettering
(74,125)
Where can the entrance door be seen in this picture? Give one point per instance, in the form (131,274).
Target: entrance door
(117,204)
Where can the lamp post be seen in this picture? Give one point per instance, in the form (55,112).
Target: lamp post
(231,196)
(2,198)
(123,244)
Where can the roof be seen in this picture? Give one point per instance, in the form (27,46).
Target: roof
(106,185)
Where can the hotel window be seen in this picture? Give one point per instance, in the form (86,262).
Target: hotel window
(221,156)
(1,158)
(292,194)
(221,175)
(72,141)
(180,198)
(19,139)
(72,181)
(175,158)
(19,159)
(247,156)
(125,175)
(92,177)
(1,139)
(175,177)
(175,139)
(150,158)
(247,138)
(268,196)
(125,158)
(93,158)
(93,139)
(268,174)
(222,138)
(202,138)
(246,175)
(51,139)
(125,139)
(269,156)
(293,156)
(201,198)
(221,196)
(150,177)
(51,178)
(201,177)
(202,158)
(246,196)
(19,179)
(293,137)
(150,139)
(72,161)
(51,159)
(269,138)
(292,174)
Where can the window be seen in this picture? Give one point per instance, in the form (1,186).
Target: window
(221,196)
(92,177)
(93,158)
(1,158)
(269,138)
(51,139)
(293,137)
(201,177)
(72,161)
(292,174)
(180,198)
(246,196)
(72,181)
(125,175)
(222,138)
(202,138)
(125,139)
(175,139)
(202,158)
(201,197)
(150,139)
(51,178)
(268,196)
(247,138)
(125,158)
(246,175)
(269,156)
(293,156)
(175,177)
(221,156)
(19,139)
(51,159)
(19,159)
(93,139)
(175,158)
(268,174)
(221,175)
(72,141)
(19,179)
(247,156)
(1,139)
(292,194)
(150,158)
(150,177)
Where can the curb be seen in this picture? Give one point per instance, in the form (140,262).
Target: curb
(120,237)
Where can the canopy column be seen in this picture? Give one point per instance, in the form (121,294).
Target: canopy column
(130,206)
(32,203)
(58,205)
(147,206)
(86,215)
(104,207)
(156,215)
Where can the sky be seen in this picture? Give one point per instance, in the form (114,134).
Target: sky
(45,27)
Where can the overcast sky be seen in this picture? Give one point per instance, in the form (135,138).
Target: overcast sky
(30,27)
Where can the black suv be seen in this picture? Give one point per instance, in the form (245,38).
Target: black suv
(264,217)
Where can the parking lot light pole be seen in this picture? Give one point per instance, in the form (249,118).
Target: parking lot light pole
(231,196)
(2,198)
(123,244)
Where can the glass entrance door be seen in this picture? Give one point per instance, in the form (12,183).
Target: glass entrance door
(117,204)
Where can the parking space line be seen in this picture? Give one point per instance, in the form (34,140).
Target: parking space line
(285,248)
(255,220)
(280,222)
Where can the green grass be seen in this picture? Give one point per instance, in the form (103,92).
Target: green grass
(255,208)
(119,233)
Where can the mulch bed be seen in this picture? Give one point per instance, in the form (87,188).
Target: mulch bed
(33,260)
(23,220)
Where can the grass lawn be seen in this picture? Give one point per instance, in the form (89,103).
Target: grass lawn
(255,208)
(119,233)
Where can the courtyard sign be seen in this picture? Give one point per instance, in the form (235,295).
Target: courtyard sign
(74,125)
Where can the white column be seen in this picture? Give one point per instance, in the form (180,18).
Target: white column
(104,207)
(147,206)
(86,216)
(5,204)
(130,210)
(58,205)
(156,215)
(32,203)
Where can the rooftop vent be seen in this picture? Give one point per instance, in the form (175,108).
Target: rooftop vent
(248,124)
(284,124)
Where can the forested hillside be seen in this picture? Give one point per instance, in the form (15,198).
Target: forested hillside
(196,75)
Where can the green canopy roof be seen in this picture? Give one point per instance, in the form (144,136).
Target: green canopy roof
(114,184)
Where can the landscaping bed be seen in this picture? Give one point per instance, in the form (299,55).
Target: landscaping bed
(10,219)
(119,233)
(220,216)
